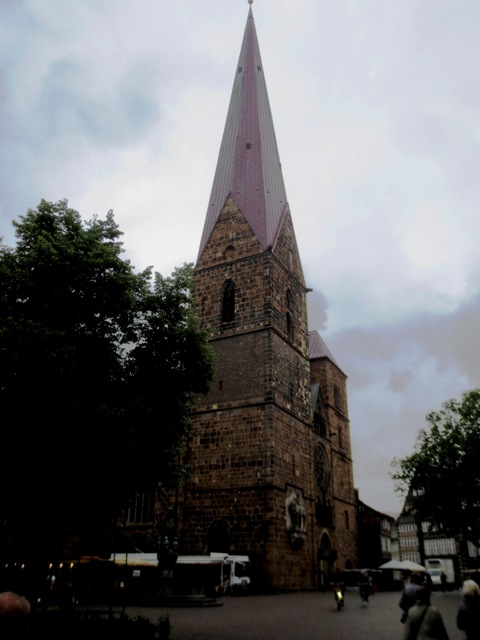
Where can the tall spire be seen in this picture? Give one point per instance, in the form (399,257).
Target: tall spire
(248,165)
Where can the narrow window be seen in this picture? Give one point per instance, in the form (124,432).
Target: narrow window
(337,397)
(228,301)
(141,508)
(288,316)
(289,300)
(340,436)
(289,324)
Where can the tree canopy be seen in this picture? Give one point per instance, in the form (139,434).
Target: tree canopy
(442,476)
(98,367)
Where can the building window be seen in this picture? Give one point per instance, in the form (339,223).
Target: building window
(440,547)
(412,556)
(289,324)
(320,424)
(340,436)
(289,314)
(289,300)
(291,262)
(141,509)
(337,397)
(409,541)
(321,467)
(347,521)
(473,551)
(228,301)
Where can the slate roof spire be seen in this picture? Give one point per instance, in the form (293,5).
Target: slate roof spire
(248,165)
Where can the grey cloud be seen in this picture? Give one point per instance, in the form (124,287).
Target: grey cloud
(317,310)
(447,339)
(396,375)
(115,117)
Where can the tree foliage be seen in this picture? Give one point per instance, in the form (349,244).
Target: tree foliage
(442,476)
(98,366)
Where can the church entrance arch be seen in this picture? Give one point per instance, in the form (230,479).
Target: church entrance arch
(325,560)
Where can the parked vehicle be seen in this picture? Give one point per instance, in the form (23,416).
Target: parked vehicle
(227,573)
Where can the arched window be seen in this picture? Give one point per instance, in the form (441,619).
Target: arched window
(289,314)
(289,300)
(289,324)
(228,301)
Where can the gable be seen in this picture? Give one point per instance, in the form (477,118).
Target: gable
(286,249)
(231,238)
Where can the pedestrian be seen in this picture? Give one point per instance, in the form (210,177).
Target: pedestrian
(424,622)
(409,595)
(443,579)
(14,616)
(338,585)
(364,587)
(468,615)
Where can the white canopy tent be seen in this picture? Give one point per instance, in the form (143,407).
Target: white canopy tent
(404,565)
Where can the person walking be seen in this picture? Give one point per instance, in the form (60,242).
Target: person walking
(338,585)
(468,615)
(409,594)
(364,588)
(424,622)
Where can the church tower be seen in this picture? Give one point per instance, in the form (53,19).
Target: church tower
(261,455)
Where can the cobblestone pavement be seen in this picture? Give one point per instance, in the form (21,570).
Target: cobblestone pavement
(298,616)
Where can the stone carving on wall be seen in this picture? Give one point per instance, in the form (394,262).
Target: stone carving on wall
(296,517)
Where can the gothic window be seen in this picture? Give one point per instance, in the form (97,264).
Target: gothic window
(320,424)
(340,436)
(337,397)
(289,324)
(289,300)
(289,319)
(229,252)
(322,471)
(228,301)
(141,508)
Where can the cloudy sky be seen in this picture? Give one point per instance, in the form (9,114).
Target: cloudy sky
(120,105)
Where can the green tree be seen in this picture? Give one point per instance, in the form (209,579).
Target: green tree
(97,368)
(165,367)
(442,476)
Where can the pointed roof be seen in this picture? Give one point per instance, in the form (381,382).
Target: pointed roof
(318,349)
(248,165)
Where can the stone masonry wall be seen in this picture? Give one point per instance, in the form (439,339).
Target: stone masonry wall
(252,443)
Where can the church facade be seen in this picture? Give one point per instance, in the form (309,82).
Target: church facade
(269,453)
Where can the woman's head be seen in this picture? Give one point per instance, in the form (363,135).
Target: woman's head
(470,589)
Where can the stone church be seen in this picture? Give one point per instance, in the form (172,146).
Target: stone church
(269,451)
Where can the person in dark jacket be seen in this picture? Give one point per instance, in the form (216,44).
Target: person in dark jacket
(468,615)
(424,622)
(409,594)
